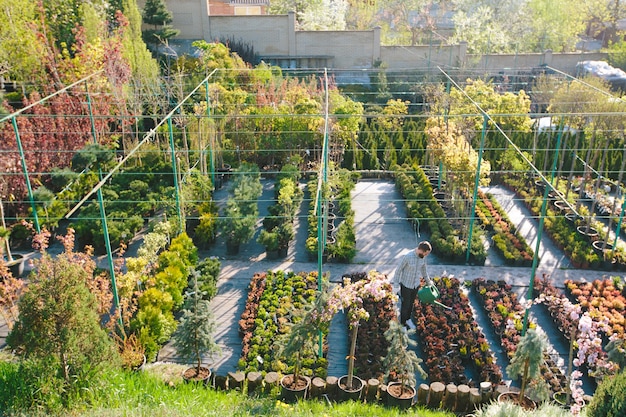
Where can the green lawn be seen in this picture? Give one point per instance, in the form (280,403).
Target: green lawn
(159,392)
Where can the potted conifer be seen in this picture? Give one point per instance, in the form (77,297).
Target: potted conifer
(526,363)
(401,364)
(193,338)
(299,342)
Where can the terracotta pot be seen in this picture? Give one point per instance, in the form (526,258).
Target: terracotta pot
(290,391)
(396,397)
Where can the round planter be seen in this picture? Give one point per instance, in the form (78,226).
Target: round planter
(561,399)
(192,375)
(350,393)
(526,403)
(16,266)
(572,217)
(597,246)
(291,392)
(399,398)
(590,233)
(561,205)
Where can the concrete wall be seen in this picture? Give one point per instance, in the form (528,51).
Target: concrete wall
(275,36)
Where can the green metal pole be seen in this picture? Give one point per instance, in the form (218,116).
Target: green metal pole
(208,113)
(476,185)
(619,223)
(103,216)
(542,216)
(175,173)
(26,176)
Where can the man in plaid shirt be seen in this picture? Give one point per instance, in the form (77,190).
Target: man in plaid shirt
(407,280)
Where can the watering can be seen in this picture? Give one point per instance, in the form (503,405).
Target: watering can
(429,294)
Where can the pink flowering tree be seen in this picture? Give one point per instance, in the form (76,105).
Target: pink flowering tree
(349,298)
(585,335)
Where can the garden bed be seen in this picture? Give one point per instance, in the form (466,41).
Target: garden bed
(272,298)
(452,342)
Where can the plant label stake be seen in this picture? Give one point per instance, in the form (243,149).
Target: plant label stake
(429,294)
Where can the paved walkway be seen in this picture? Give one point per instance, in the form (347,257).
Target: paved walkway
(383,236)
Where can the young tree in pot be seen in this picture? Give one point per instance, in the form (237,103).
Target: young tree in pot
(193,337)
(401,364)
(299,341)
(526,363)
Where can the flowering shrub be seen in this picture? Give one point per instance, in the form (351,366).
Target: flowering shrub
(371,345)
(505,313)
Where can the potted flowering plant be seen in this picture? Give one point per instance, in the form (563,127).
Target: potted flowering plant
(349,297)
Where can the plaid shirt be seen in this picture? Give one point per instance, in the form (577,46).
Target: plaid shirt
(409,272)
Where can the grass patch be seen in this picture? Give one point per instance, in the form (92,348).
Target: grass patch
(158,392)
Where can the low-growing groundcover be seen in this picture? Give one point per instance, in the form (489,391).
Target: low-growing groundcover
(131,394)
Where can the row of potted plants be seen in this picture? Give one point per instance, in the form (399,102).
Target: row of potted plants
(505,314)
(425,211)
(273,301)
(452,340)
(238,221)
(507,240)
(278,228)
(567,315)
(568,231)
(603,299)
(338,214)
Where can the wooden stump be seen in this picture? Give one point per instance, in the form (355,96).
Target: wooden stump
(270,381)
(221,382)
(235,380)
(318,387)
(422,394)
(436,395)
(331,386)
(255,379)
(449,399)
(372,390)
(462,398)
(475,397)
(486,391)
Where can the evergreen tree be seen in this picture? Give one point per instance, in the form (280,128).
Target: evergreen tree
(156,13)
(193,337)
(59,325)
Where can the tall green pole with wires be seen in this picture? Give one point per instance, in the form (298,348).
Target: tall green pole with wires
(175,174)
(542,216)
(103,216)
(29,188)
(476,185)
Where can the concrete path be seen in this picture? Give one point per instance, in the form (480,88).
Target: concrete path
(383,235)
